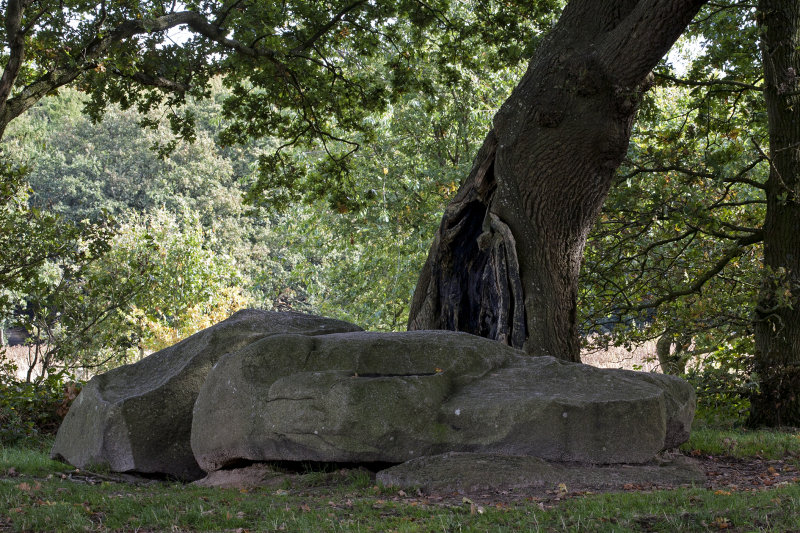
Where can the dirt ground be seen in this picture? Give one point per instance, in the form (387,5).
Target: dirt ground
(727,474)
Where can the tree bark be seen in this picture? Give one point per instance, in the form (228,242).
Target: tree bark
(672,352)
(777,328)
(505,261)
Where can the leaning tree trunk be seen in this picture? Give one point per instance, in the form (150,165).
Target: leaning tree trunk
(505,261)
(777,329)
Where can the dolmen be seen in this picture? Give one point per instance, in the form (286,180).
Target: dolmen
(264,387)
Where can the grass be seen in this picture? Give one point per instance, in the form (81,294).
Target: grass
(29,462)
(42,495)
(765,444)
(56,504)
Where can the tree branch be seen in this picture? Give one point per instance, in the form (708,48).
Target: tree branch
(10,108)
(631,50)
(326,28)
(16,46)
(708,83)
(161,82)
(696,287)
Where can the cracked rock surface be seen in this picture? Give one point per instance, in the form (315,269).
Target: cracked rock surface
(393,397)
(138,417)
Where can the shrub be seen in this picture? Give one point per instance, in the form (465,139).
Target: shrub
(724,385)
(30,410)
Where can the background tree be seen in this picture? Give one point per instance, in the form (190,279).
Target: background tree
(777,329)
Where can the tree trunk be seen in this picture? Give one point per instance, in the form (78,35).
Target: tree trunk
(505,261)
(672,352)
(777,328)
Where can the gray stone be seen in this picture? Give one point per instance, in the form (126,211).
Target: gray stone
(256,475)
(137,418)
(474,472)
(392,397)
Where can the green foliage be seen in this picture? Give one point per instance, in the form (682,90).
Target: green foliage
(366,243)
(724,382)
(30,410)
(156,283)
(30,237)
(181,285)
(764,444)
(350,249)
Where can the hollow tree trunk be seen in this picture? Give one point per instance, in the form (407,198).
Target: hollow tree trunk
(505,261)
(777,329)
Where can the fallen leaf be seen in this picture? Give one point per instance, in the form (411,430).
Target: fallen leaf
(305,507)
(721,523)
(402,493)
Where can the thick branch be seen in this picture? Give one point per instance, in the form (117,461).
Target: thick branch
(16,45)
(634,47)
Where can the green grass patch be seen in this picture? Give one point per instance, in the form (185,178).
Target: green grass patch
(28,461)
(765,444)
(40,499)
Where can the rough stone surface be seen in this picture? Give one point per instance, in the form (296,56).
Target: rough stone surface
(256,475)
(392,397)
(476,472)
(137,418)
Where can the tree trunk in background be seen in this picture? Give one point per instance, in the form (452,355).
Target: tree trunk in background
(777,328)
(672,351)
(505,261)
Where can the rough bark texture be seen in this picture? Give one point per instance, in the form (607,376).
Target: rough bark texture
(777,331)
(505,261)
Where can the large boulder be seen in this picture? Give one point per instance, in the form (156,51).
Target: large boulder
(138,418)
(392,397)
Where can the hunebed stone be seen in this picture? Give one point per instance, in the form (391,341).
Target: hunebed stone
(138,417)
(392,397)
